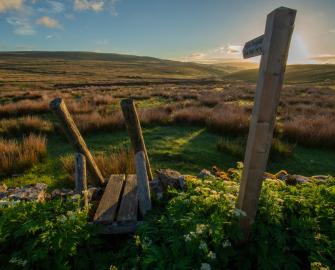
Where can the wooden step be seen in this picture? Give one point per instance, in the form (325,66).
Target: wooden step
(118,208)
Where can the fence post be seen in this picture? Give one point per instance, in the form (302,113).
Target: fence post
(144,197)
(80,177)
(135,131)
(275,46)
(58,106)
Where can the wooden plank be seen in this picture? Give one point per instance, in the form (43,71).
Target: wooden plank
(59,108)
(135,131)
(253,47)
(129,202)
(277,37)
(142,183)
(107,208)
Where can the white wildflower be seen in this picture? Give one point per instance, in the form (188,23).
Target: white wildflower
(205,266)
(112,267)
(226,244)
(18,261)
(211,255)
(203,246)
(187,237)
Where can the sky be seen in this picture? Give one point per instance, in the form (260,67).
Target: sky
(186,30)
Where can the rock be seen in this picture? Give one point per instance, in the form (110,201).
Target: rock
(282,175)
(61,193)
(156,188)
(269,176)
(205,173)
(41,186)
(171,178)
(3,195)
(3,187)
(297,179)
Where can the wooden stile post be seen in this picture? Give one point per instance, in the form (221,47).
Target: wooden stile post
(59,108)
(135,131)
(144,197)
(273,46)
(80,177)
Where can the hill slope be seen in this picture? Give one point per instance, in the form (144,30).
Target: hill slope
(294,74)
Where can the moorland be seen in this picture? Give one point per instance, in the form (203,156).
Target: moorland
(194,116)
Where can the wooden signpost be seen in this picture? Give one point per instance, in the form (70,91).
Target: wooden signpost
(273,46)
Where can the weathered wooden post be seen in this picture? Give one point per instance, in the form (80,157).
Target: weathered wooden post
(135,131)
(273,46)
(144,197)
(58,106)
(80,177)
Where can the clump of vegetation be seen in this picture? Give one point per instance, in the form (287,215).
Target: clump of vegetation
(16,157)
(313,130)
(120,161)
(236,147)
(23,107)
(24,125)
(195,229)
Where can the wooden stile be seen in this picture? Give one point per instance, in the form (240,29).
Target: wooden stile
(135,131)
(59,108)
(274,48)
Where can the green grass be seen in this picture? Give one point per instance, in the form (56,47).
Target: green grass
(186,149)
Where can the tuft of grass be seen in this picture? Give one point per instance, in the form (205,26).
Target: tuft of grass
(24,107)
(16,157)
(24,125)
(120,161)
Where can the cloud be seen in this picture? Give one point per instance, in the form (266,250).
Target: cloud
(88,5)
(95,5)
(216,55)
(324,59)
(22,26)
(10,5)
(332,30)
(234,49)
(48,22)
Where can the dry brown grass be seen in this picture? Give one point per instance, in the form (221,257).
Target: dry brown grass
(117,162)
(97,122)
(23,107)
(16,157)
(25,125)
(316,130)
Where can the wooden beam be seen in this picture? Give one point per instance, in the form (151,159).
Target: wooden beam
(59,108)
(277,37)
(80,178)
(135,131)
(253,47)
(144,197)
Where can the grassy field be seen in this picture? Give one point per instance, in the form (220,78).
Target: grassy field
(184,148)
(185,109)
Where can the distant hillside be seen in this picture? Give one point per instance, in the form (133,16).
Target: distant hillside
(294,74)
(105,66)
(50,70)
